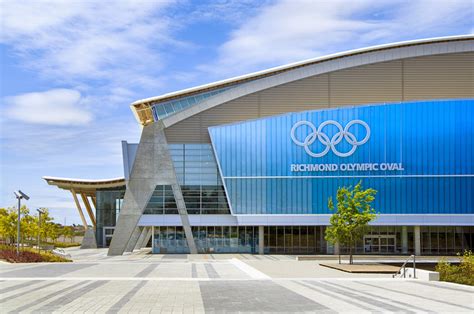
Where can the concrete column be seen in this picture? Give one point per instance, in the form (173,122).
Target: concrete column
(140,240)
(89,241)
(183,214)
(152,166)
(404,240)
(133,239)
(261,240)
(417,240)
(336,249)
(147,237)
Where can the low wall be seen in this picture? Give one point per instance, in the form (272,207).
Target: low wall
(422,274)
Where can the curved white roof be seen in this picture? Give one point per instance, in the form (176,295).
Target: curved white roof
(254,82)
(290,66)
(84,184)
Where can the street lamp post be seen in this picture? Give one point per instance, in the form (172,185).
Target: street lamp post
(19,195)
(40,211)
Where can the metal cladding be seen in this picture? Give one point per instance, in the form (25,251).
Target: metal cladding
(417,155)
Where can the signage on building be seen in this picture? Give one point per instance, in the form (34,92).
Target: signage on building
(330,143)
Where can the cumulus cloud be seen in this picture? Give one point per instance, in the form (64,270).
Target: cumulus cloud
(293,30)
(107,45)
(84,37)
(53,107)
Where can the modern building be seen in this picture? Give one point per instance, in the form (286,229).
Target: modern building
(248,164)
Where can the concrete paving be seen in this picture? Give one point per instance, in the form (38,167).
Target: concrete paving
(144,283)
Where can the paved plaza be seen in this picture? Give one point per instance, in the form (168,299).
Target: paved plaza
(145,283)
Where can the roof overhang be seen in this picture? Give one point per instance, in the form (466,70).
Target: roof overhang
(141,108)
(84,185)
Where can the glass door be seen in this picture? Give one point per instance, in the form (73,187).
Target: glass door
(384,244)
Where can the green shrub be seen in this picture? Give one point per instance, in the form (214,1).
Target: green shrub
(28,255)
(65,244)
(462,273)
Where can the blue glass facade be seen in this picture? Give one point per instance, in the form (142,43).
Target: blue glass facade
(417,155)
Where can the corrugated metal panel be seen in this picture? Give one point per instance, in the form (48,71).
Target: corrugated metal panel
(306,94)
(195,129)
(444,76)
(188,131)
(373,83)
(433,77)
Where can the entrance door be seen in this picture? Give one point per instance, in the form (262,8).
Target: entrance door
(379,244)
(108,232)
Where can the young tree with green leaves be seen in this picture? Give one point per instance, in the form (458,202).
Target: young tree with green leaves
(353,212)
(8,219)
(68,232)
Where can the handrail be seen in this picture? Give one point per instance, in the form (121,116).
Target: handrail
(404,267)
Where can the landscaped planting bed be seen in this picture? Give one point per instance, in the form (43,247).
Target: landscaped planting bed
(28,255)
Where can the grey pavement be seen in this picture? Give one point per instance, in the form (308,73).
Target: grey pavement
(144,283)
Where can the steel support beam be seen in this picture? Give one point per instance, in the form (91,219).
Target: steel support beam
(85,200)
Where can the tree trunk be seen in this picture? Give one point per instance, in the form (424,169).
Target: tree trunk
(350,253)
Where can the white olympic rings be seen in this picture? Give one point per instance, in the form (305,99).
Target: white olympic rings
(318,134)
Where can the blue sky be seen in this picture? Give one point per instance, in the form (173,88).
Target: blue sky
(70,69)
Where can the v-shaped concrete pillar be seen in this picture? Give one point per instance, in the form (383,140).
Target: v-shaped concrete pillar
(153,166)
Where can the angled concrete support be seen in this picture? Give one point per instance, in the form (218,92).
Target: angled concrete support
(152,166)
(147,238)
(141,238)
(89,241)
(134,239)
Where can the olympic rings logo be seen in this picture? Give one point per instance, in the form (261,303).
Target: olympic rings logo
(330,143)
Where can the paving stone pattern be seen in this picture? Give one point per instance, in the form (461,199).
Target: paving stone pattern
(140,283)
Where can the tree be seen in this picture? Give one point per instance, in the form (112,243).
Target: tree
(8,224)
(68,232)
(52,231)
(353,214)
(8,219)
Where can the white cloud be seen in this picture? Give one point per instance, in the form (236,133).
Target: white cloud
(90,43)
(293,30)
(53,107)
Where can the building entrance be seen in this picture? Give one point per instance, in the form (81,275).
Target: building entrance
(380,244)
(108,232)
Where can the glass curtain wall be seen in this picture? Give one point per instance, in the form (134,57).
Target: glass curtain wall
(295,240)
(108,205)
(198,175)
(310,240)
(446,240)
(162,202)
(161,110)
(214,239)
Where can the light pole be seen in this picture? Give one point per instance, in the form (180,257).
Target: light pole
(19,195)
(40,211)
